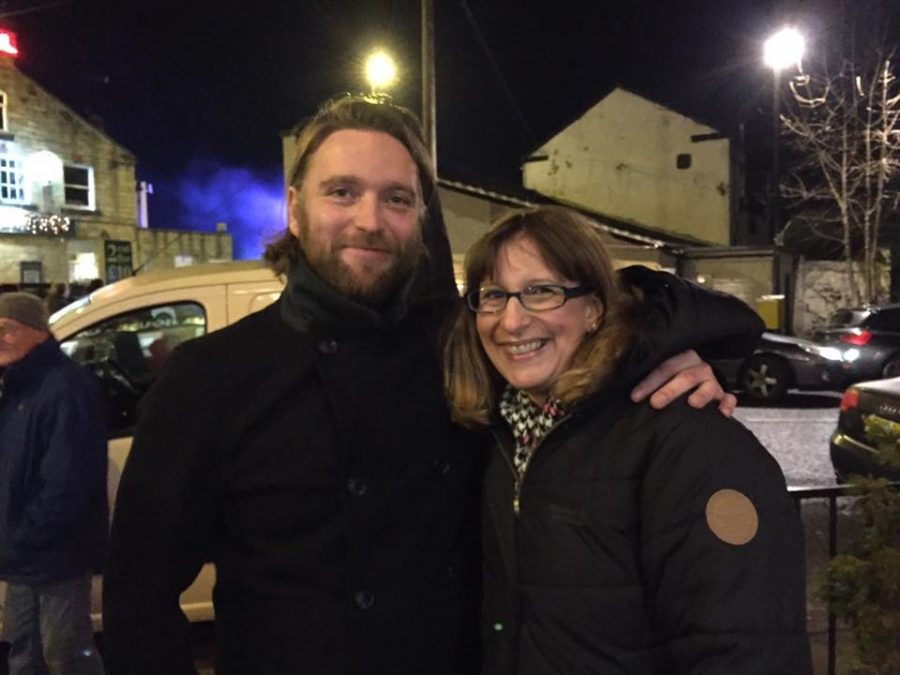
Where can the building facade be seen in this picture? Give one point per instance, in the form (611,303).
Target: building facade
(640,162)
(67,190)
(68,200)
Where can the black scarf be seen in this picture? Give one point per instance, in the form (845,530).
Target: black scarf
(309,304)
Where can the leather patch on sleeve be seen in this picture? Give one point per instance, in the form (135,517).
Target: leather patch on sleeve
(732,517)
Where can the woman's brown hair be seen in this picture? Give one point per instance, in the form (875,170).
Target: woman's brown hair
(572,246)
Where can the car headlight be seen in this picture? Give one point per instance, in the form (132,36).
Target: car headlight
(850,355)
(830,353)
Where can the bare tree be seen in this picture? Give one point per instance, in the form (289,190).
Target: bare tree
(843,130)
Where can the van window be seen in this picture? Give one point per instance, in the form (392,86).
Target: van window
(127,352)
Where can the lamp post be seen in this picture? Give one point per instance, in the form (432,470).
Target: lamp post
(429,105)
(781,50)
(381,72)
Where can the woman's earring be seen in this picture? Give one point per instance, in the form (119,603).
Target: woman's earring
(594,327)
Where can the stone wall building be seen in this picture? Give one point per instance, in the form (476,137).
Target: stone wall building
(68,201)
(823,286)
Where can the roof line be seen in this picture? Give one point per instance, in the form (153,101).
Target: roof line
(524,203)
(71,110)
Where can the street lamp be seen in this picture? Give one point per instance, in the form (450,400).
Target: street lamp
(381,72)
(783,49)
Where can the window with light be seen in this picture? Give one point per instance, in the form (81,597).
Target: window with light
(12,181)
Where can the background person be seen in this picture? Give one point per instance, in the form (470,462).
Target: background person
(53,503)
(618,538)
(57,297)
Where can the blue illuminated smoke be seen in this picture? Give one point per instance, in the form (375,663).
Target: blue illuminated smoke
(250,201)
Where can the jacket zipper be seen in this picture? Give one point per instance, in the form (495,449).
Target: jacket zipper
(517,479)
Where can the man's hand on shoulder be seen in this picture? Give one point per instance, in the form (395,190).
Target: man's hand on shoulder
(682,373)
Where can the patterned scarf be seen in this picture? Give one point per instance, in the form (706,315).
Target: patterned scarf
(528,422)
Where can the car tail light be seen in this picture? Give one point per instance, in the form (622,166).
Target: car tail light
(858,337)
(849,400)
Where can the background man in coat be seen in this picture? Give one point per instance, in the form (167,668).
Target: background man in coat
(307,450)
(53,504)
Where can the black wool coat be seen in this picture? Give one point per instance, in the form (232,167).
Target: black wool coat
(321,474)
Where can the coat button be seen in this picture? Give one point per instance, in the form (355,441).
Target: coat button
(363,599)
(356,487)
(498,627)
(441,466)
(328,346)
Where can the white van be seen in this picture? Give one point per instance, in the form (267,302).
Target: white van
(125,331)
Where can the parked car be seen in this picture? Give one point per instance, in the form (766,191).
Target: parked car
(869,340)
(124,332)
(869,419)
(778,364)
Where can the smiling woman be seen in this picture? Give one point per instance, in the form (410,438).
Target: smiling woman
(532,342)
(616,537)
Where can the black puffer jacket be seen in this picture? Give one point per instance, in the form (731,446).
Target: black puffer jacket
(619,559)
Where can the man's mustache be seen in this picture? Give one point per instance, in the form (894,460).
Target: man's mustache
(373,240)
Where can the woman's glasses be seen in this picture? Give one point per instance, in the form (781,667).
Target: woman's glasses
(537,297)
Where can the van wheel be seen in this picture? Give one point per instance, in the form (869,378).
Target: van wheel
(765,378)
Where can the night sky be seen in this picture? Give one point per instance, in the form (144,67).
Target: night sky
(200,91)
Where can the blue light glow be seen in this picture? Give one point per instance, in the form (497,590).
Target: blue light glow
(250,201)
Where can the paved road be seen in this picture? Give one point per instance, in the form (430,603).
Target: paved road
(797,433)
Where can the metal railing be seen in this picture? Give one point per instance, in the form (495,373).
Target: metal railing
(831,494)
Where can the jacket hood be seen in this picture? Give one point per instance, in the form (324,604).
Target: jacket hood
(433,279)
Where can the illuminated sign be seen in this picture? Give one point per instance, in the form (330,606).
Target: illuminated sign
(9,42)
(119,263)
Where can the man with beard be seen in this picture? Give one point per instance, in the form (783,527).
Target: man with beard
(307,450)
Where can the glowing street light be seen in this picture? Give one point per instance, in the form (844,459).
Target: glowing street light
(381,72)
(784,48)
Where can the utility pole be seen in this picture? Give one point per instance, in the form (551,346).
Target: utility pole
(429,118)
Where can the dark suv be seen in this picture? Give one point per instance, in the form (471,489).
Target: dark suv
(869,338)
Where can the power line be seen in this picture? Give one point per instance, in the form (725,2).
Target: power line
(496,68)
(37,8)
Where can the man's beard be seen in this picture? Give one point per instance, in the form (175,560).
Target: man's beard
(374,290)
